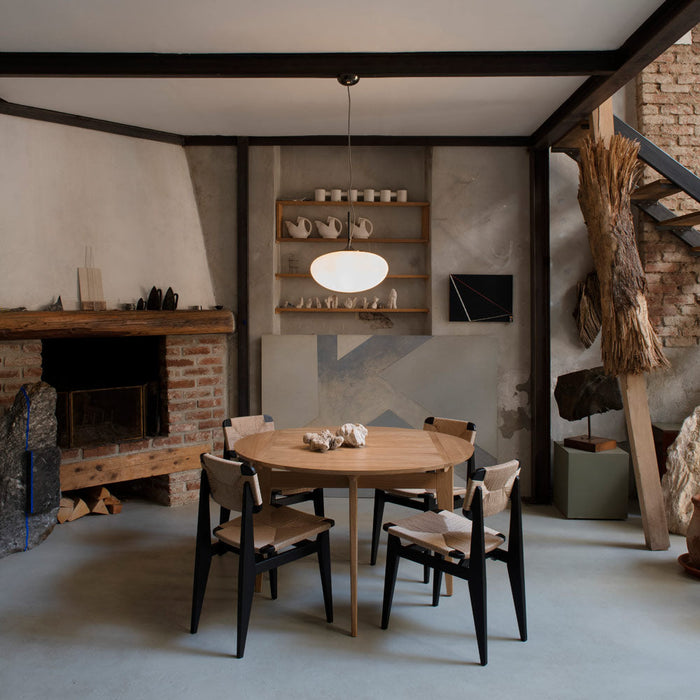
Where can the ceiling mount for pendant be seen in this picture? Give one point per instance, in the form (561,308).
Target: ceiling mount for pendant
(348,79)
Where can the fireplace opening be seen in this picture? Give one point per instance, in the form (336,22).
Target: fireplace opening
(108,388)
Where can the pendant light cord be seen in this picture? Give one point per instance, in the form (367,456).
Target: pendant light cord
(351,210)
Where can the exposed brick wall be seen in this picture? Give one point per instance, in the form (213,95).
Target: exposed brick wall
(668,113)
(20,363)
(193,381)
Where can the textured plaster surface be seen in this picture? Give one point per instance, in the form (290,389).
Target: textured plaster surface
(65,190)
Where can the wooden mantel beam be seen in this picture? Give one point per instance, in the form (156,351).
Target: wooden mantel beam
(31,325)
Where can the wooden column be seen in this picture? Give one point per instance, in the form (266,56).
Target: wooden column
(540,355)
(636,405)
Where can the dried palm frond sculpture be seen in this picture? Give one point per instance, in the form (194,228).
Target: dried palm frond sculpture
(587,311)
(607,176)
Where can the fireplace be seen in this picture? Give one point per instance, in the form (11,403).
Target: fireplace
(178,358)
(108,388)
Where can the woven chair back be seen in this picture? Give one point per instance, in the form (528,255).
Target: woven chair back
(245,425)
(496,484)
(226,482)
(451,426)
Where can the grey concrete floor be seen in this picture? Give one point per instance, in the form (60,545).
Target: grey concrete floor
(101,610)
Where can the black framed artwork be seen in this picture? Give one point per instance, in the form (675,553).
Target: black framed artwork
(487,298)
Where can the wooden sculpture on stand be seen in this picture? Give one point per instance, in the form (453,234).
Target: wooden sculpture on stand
(608,172)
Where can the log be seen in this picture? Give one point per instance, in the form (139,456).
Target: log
(80,508)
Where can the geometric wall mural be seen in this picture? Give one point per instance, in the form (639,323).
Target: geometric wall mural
(383,380)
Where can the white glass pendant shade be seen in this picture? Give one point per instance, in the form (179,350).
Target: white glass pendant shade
(349,270)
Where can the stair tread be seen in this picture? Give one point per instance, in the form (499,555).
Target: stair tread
(692,219)
(655,190)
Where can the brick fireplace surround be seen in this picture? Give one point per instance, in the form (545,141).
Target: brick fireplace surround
(193,390)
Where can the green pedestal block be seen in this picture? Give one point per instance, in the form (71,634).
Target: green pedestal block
(591,484)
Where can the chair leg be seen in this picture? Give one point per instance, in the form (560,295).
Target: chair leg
(437,581)
(392,568)
(246,588)
(273,584)
(224,515)
(379,500)
(324,564)
(477,594)
(202,562)
(516,574)
(318,503)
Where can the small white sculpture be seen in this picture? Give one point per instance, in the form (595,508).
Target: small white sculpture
(329,302)
(349,303)
(323,441)
(364,302)
(392,299)
(375,303)
(300,229)
(353,434)
(335,301)
(301,303)
(309,301)
(317,303)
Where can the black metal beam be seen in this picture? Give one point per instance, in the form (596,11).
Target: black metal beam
(428,64)
(673,19)
(540,353)
(658,159)
(242,217)
(49,115)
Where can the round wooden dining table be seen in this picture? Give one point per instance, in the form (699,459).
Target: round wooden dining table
(391,458)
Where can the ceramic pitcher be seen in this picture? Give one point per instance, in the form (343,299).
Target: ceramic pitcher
(331,229)
(362,228)
(300,229)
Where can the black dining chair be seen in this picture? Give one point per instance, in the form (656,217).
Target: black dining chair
(241,426)
(264,536)
(421,499)
(431,538)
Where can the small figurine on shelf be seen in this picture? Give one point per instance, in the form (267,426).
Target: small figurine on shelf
(349,303)
(308,303)
(364,302)
(329,302)
(300,305)
(317,303)
(375,303)
(392,299)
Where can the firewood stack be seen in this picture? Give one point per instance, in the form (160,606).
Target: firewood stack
(96,499)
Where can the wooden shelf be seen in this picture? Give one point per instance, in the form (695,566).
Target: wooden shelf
(291,309)
(30,325)
(307,275)
(355,241)
(345,204)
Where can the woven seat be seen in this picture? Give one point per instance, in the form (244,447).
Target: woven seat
(444,532)
(431,538)
(275,528)
(421,499)
(241,426)
(264,537)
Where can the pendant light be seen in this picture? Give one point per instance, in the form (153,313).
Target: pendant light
(349,270)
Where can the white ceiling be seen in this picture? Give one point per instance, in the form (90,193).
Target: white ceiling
(273,106)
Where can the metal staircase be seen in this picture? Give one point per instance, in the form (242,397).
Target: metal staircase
(674,178)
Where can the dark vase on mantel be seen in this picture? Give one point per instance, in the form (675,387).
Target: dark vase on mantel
(693,535)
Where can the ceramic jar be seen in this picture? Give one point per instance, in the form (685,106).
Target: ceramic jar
(693,534)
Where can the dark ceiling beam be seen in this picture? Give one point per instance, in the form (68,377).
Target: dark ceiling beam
(670,22)
(377,140)
(49,115)
(426,64)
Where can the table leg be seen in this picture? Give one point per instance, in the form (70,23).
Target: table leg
(445,498)
(352,503)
